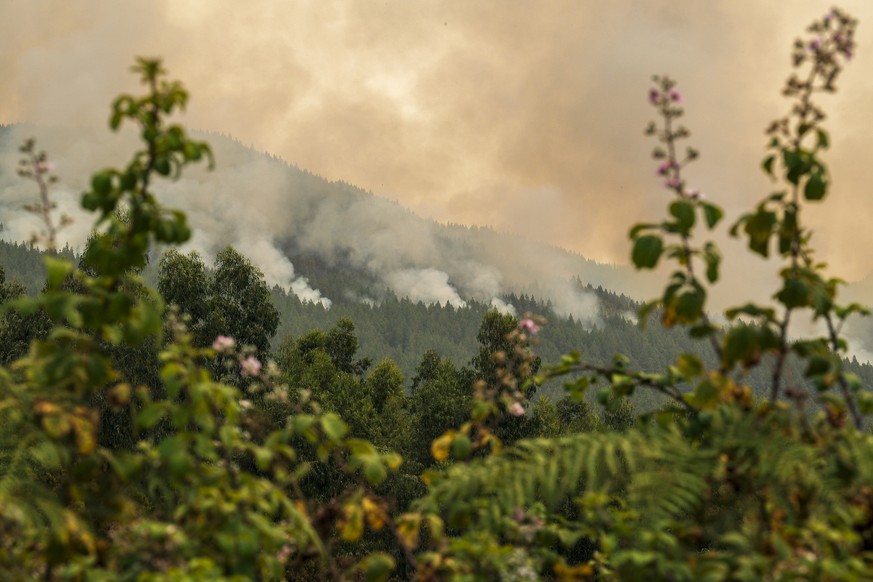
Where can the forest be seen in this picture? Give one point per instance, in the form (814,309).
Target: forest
(164,417)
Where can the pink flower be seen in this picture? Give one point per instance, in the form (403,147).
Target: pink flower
(674,183)
(45,167)
(516,409)
(654,96)
(696,195)
(664,168)
(675,96)
(815,44)
(250,366)
(529,326)
(223,343)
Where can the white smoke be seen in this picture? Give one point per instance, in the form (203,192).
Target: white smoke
(426,285)
(259,205)
(568,300)
(278,270)
(503,307)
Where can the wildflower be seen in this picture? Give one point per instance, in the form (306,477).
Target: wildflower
(664,168)
(516,409)
(815,44)
(223,343)
(674,183)
(654,96)
(696,195)
(45,167)
(675,96)
(529,326)
(250,366)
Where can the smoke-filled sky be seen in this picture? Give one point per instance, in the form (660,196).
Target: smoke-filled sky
(525,116)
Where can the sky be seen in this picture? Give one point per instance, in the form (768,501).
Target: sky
(524,116)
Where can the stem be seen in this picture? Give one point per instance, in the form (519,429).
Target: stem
(669,391)
(796,243)
(45,206)
(676,168)
(780,357)
(844,386)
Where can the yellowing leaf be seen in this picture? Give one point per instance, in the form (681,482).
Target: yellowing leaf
(567,573)
(352,527)
(375,514)
(408,530)
(441,447)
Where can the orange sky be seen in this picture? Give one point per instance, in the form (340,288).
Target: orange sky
(524,116)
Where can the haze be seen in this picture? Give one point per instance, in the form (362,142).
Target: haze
(523,116)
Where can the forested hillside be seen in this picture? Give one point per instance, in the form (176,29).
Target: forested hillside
(327,241)
(404,330)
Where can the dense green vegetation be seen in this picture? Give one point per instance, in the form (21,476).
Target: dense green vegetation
(213,428)
(403,331)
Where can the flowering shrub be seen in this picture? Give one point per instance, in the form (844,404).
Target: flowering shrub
(206,492)
(719,485)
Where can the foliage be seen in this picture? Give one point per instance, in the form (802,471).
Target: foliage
(201,498)
(718,485)
(232,299)
(288,472)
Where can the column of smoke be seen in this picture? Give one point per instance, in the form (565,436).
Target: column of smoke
(252,202)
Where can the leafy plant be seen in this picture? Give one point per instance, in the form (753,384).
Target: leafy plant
(202,497)
(718,485)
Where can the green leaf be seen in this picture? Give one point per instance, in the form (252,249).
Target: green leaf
(102,183)
(689,305)
(818,365)
(767,164)
(162,166)
(174,452)
(794,293)
(816,187)
(263,457)
(377,567)
(747,344)
(72,314)
(712,213)
(797,164)
(822,139)
(865,402)
(333,426)
(751,310)
(647,250)
(759,227)
(56,271)
(788,229)
(689,365)
(706,395)
(374,472)
(712,258)
(638,228)
(150,415)
(461,446)
(683,211)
